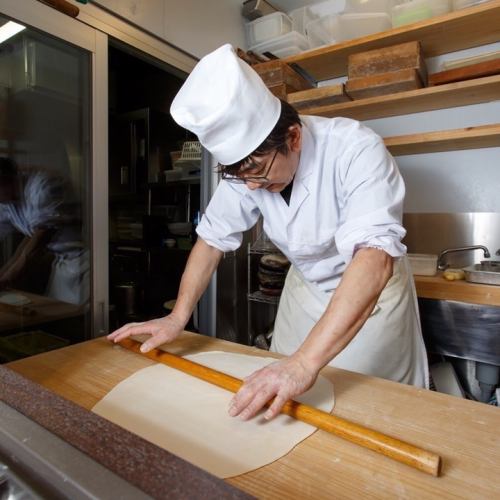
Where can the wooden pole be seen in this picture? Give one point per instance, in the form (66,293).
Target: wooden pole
(396,449)
(63,6)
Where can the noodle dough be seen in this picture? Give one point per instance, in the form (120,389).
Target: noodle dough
(188,417)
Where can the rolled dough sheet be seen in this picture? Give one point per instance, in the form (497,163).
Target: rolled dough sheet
(189,418)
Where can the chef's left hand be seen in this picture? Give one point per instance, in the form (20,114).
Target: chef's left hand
(282,380)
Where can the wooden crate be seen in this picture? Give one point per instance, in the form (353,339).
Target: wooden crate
(320,96)
(382,84)
(478,70)
(388,59)
(281,78)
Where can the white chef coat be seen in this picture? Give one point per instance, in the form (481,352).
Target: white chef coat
(347,193)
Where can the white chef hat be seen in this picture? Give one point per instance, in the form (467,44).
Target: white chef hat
(226,104)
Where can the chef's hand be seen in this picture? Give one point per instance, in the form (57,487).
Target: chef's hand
(282,380)
(162,331)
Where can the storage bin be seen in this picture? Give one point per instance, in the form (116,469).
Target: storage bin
(468,61)
(253,9)
(267,27)
(358,25)
(283,46)
(191,150)
(462,4)
(328,7)
(423,264)
(300,18)
(418,10)
(384,6)
(323,31)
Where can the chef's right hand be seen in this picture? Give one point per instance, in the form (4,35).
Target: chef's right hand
(162,331)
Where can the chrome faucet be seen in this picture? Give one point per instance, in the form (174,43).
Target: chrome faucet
(442,266)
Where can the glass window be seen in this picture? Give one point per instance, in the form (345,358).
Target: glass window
(44,192)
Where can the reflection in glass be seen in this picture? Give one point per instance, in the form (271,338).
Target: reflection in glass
(44,192)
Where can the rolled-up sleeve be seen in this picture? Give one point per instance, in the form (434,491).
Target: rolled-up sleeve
(373,194)
(231,211)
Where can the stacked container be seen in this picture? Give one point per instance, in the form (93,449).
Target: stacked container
(323,31)
(275,33)
(301,18)
(361,18)
(418,10)
(462,4)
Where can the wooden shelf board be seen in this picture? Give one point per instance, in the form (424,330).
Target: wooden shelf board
(436,287)
(485,136)
(462,29)
(414,101)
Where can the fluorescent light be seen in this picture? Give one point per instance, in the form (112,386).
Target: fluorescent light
(10,29)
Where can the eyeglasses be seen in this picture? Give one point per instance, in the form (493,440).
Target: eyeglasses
(257,179)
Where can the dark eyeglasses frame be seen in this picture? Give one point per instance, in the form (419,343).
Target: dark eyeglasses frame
(258,179)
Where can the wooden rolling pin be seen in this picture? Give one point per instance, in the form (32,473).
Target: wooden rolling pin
(406,453)
(63,6)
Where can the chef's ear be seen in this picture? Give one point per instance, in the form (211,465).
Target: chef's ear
(295,137)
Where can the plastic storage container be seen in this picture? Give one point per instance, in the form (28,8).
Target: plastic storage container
(300,19)
(267,27)
(423,264)
(462,4)
(328,7)
(356,25)
(384,6)
(323,31)
(418,10)
(191,150)
(283,46)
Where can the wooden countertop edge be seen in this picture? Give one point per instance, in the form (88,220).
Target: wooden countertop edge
(437,287)
(141,463)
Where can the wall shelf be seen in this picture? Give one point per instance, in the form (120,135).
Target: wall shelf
(485,136)
(462,29)
(450,95)
(258,296)
(436,287)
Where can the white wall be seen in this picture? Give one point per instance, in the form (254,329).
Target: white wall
(195,26)
(455,181)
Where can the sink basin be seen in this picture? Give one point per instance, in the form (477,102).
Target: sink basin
(487,272)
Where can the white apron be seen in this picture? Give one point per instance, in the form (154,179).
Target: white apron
(69,281)
(389,345)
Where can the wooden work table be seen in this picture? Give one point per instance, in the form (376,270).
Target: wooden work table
(39,310)
(437,287)
(464,433)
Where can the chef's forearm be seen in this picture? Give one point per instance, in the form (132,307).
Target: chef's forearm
(351,305)
(13,267)
(202,263)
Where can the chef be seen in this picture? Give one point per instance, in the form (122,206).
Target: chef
(331,198)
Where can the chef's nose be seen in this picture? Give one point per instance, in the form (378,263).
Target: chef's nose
(253,185)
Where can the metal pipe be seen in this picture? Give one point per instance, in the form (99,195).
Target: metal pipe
(442,266)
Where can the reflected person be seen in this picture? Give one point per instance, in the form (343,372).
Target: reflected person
(37,204)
